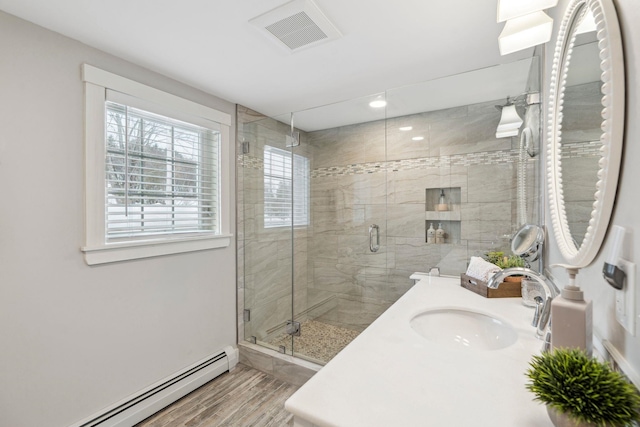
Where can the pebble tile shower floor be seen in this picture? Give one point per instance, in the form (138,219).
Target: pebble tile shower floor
(317,340)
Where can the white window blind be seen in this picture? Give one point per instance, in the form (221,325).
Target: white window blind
(286,188)
(161,175)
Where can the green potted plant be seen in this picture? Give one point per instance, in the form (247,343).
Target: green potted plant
(501,260)
(498,258)
(581,391)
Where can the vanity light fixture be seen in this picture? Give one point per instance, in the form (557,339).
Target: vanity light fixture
(509,9)
(510,121)
(405,128)
(417,138)
(527,25)
(524,32)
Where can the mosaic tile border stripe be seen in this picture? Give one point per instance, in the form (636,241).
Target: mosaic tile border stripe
(589,149)
(480,158)
(581,149)
(250,162)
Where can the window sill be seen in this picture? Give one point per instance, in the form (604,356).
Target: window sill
(115,252)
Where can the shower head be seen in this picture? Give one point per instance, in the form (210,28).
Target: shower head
(510,121)
(509,102)
(523,100)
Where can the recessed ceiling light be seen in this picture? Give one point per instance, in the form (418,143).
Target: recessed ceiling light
(378,103)
(417,138)
(406,128)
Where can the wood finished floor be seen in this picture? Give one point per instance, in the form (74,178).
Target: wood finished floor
(245,397)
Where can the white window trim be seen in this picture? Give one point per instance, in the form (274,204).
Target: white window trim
(96,250)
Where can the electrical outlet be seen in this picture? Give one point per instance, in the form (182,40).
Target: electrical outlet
(626,297)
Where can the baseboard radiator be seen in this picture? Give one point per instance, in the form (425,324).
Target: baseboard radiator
(147,402)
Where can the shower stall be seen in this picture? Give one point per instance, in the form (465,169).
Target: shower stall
(333,213)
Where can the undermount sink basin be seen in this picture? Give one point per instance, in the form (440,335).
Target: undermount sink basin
(464,329)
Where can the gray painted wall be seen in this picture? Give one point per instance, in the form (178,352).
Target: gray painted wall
(76,339)
(627,203)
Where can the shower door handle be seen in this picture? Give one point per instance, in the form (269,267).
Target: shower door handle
(374,247)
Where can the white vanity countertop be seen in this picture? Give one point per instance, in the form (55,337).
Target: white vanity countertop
(391,376)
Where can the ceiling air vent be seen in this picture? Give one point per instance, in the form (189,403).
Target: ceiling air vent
(297,25)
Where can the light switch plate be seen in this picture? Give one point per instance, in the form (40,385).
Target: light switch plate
(626,297)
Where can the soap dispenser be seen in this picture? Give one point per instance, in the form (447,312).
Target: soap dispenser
(431,234)
(571,316)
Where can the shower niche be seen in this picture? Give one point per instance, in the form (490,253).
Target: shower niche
(443,207)
(434,207)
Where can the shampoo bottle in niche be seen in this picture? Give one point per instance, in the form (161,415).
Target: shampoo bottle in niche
(440,234)
(442,203)
(431,234)
(571,316)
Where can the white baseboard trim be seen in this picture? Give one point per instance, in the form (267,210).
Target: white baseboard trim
(147,402)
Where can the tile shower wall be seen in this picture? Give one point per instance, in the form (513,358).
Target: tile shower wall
(375,173)
(365,174)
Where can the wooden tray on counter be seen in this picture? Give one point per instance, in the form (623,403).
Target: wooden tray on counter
(507,289)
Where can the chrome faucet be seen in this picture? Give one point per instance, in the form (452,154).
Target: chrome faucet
(542,317)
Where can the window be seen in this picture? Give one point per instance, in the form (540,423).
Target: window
(286,188)
(157,174)
(161,175)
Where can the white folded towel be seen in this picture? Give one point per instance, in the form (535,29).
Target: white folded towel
(481,269)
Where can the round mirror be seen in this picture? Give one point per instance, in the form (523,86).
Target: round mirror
(586,123)
(527,242)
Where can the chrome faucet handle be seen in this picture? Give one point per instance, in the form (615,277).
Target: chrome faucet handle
(550,292)
(434,271)
(536,316)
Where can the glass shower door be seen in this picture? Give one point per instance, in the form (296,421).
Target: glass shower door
(265,183)
(340,265)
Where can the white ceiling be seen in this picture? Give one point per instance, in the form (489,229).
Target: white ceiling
(209,44)
(487,84)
